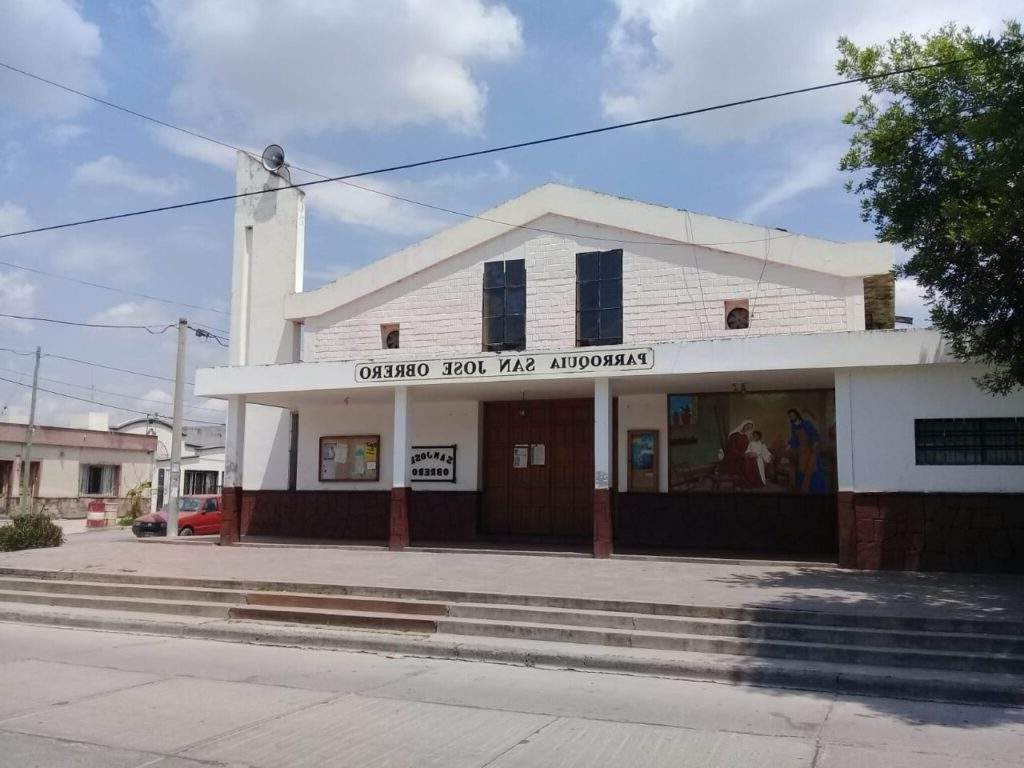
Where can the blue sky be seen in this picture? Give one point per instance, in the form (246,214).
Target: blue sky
(346,86)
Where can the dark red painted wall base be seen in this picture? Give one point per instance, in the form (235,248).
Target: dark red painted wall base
(750,523)
(443,516)
(430,516)
(602,522)
(971,532)
(357,515)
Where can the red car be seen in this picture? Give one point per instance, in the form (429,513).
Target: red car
(197,515)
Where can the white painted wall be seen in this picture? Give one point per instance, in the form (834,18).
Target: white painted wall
(642,412)
(59,467)
(670,292)
(431,423)
(875,411)
(268,255)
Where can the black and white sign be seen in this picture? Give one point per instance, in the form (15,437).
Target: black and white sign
(432,464)
(509,365)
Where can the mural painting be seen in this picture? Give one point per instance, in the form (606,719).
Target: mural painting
(778,442)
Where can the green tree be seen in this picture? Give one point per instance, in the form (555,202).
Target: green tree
(937,157)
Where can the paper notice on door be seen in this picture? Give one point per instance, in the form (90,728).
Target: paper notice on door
(537,454)
(520,457)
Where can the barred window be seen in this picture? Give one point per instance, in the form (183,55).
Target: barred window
(504,305)
(969,441)
(599,298)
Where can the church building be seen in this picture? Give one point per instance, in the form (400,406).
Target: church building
(573,370)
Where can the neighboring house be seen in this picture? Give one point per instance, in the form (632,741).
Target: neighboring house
(572,367)
(202,457)
(71,468)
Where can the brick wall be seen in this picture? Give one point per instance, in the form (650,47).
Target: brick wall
(973,532)
(669,293)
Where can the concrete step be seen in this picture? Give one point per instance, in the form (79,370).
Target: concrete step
(391,622)
(923,684)
(346,603)
(99,588)
(904,623)
(842,654)
(102,603)
(752,630)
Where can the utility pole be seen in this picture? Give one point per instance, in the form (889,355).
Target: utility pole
(25,495)
(179,392)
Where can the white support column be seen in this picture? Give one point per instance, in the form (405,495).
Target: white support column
(234,454)
(398,536)
(602,434)
(400,459)
(844,430)
(603,459)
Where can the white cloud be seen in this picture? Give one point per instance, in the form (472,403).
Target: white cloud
(17,297)
(13,218)
(114,173)
(64,133)
(671,55)
(49,38)
(196,149)
(306,66)
(133,313)
(806,173)
(909,301)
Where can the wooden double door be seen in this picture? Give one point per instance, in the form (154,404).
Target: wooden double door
(550,493)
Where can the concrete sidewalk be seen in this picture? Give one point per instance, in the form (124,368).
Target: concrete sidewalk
(783,586)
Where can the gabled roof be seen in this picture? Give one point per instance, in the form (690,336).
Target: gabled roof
(654,223)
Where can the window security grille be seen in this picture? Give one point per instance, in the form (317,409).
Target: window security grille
(992,441)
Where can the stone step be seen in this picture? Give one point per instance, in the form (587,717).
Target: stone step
(923,684)
(345,603)
(764,615)
(188,594)
(841,654)
(171,607)
(811,633)
(393,622)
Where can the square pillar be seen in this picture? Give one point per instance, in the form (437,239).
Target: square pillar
(398,533)
(845,503)
(603,458)
(231,489)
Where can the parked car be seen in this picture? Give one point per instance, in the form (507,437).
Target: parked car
(197,515)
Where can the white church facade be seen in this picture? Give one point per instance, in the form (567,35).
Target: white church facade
(572,369)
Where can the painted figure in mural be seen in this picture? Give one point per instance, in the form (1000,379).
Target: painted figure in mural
(736,461)
(805,442)
(760,452)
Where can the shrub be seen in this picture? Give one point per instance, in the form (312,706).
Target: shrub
(30,531)
(134,502)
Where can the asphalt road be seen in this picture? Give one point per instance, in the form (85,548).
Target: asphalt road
(82,698)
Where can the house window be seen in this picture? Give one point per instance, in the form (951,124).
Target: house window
(737,315)
(504,313)
(599,298)
(98,479)
(389,336)
(969,441)
(199,481)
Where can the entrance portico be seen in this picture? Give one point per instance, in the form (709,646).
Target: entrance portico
(518,453)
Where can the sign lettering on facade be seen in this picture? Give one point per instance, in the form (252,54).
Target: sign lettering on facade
(507,366)
(432,464)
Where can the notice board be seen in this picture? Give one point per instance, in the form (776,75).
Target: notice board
(349,458)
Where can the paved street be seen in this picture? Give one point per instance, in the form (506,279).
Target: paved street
(81,698)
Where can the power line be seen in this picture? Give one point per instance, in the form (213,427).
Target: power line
(493,150)
(67,383)
(254,155)
(149,328)
(92,364)
(126,291)
(105,405)
(201,333)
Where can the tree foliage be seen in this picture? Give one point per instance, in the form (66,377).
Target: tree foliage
(937,157)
